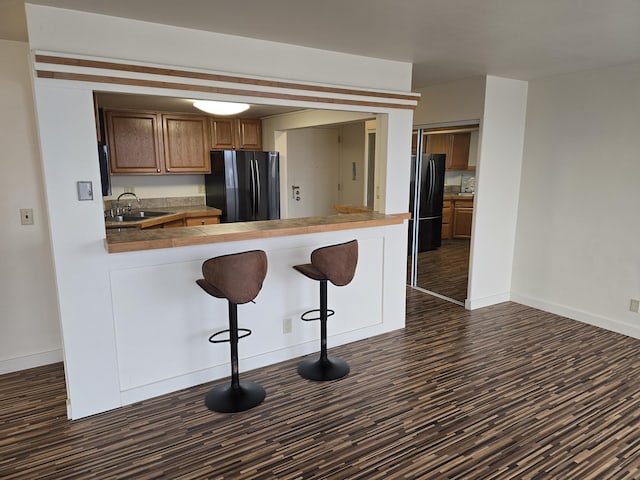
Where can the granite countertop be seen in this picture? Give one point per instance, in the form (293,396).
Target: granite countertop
(462,196)
(172,213)
(131,240)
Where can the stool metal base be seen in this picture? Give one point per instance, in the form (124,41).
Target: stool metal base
(230,399)
(319,369)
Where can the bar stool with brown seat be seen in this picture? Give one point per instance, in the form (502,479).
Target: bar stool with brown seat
(238,278)
(337,264)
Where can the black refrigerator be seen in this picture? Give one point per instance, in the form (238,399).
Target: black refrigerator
(245,185)
(425,202)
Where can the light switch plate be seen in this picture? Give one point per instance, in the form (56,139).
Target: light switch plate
(85,190)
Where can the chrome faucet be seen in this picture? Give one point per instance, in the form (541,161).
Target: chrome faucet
(129,204)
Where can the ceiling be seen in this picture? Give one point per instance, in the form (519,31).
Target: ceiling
(444,39)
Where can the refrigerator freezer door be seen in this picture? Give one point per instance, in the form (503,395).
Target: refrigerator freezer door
(429,234)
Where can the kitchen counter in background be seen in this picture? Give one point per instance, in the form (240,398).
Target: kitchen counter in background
(147,239)
(457,215)
(351,209)
(459,196)
(174,215)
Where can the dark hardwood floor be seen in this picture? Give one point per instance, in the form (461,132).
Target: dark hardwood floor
(445,270)
(504,392)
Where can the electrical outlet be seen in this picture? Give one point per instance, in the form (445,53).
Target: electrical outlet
(26,216)
(634,305)
(129,190)
(201,189)
(286,325)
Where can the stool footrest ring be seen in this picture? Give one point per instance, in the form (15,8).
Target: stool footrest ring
(213,339)
(306,318)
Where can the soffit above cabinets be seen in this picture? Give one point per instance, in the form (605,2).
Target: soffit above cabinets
(177,105)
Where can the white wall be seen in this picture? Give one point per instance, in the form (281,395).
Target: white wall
(318,160)
(577,250)
(313,163)
(303,119)
(450,102)
(30,319)
(158,186)
(62,30)
(497,192)
(352,151)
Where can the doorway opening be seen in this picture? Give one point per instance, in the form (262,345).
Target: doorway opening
(442,209)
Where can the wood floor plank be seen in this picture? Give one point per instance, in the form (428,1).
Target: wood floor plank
(445,270)
(504,392)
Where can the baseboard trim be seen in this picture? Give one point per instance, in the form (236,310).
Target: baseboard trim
(30,361)
(579,315)
(473,303)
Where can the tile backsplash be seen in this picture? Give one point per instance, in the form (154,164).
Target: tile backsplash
(457,181)
(194,201)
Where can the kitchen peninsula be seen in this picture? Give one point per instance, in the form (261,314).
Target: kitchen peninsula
(162,320)
(143,239)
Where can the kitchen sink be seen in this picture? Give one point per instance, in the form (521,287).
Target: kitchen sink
(136,216)
(145,214)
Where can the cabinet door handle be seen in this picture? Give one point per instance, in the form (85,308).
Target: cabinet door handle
(158,170)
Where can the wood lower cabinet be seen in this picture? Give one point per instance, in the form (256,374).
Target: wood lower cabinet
(195,221)
(462,218)
(454,145)
(157,143)
(191,219)
(446,219)
(236,133)
(172,224)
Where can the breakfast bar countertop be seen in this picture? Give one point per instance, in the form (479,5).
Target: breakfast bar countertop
(135,240)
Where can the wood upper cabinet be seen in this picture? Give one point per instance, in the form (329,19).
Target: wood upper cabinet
(414,143)
(155,143)
(186,144)
(236,133)
(133,142)
(459,157)
(454,145)
(249,134)
(222,137)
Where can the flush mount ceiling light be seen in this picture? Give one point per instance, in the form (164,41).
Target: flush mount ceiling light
(220,108)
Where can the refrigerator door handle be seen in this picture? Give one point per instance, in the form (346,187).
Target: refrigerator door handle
(430,185)
(433,180)
(253,188)
(258,196)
